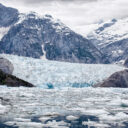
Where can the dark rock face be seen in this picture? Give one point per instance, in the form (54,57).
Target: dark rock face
(126,63)
(106,25)
(36,37)
(118,79)
(117,51)
(6,66)
(8,16)
(12,81)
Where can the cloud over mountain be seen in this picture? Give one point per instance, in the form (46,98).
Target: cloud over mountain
(75,13)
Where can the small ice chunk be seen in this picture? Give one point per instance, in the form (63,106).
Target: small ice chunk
(71,118)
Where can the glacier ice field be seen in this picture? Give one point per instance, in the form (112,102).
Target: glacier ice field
(53,74)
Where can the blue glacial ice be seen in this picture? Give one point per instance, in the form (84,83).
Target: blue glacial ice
(53,74)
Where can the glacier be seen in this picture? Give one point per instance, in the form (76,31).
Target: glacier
(53,74)
(67,105)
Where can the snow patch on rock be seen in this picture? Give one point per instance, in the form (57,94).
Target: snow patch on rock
(3,31)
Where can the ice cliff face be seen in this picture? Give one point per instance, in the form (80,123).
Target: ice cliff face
(36,36)
(53,74)
(112,39)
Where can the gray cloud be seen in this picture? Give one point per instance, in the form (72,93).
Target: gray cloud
(45,1)
(77,14)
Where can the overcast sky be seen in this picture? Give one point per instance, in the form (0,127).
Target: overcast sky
(77,14)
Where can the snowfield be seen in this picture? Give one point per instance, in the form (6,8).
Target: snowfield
(112,33)
(67,108)
(53,74)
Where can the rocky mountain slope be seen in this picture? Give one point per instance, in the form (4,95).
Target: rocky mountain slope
(8,16)
(44,37)
(111,38)
(126,63)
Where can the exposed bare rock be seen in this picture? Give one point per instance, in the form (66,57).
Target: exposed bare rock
(126,63)
(6,66)
(12,81)
(118,79)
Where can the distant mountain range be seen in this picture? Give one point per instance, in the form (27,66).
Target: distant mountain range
(44,37)
(111,38)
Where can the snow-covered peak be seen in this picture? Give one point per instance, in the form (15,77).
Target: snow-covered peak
(55,23)
(104,25)
(111,38)
(110,31)
(25,16)
(48,16)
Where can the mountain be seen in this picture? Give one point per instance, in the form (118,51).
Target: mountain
(44,37)
(111,38)
(126,63)
(8,16)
